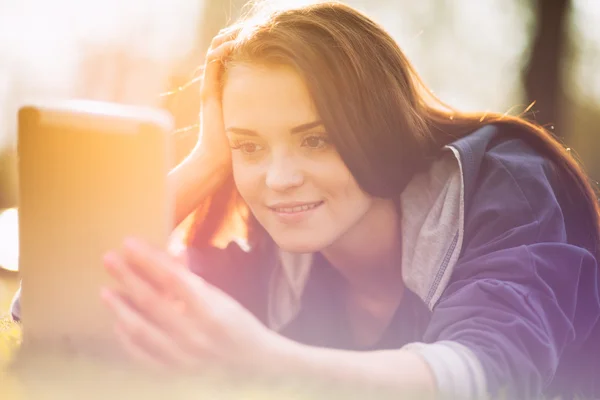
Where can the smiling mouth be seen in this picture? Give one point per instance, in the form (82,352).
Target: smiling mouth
(296,208)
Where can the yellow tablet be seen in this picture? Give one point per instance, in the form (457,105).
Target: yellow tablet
(90,174)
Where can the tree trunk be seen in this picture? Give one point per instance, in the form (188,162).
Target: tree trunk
(543,83)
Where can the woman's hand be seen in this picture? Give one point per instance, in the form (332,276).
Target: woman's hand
(170,318)
(212,138)
(209,163)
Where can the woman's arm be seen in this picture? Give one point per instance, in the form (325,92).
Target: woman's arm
(214,328)
(401,374)
(524,293)
(203,171)
(196,178)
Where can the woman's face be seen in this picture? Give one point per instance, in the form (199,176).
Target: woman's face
(284,166)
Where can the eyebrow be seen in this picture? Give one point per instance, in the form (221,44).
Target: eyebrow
(297,129)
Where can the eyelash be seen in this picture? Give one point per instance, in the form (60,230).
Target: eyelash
(241,144)
(323,138)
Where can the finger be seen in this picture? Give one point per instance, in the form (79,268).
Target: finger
(159,268)
(213,70)
(160,307)
(152,264)
(154,303)
(223,36)
(145,334)
(138,353)
(220,52)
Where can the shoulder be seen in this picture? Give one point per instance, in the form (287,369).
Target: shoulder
(510,154)
(510,187)
(506,156)
(524,269)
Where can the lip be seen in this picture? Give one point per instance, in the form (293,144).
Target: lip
(293,204)
(296,211)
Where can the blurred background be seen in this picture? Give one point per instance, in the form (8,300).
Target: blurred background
(498,55)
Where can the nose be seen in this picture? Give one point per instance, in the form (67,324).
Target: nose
(283,174)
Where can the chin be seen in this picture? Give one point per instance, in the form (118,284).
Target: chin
(299,246)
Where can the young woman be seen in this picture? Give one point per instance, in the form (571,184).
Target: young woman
(349,225)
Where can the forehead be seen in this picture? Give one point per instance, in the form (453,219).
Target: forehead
(266,97)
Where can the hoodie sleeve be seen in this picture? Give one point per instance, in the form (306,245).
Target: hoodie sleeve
(15,306)
(514,300)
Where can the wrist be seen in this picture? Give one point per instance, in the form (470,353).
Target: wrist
(199,164)
(279,356)
(199,175)
(286,359)
(212,160)
(395,372)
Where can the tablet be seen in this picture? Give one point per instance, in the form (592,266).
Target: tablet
(90,174)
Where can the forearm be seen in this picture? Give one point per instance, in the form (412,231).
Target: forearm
(399,373)
(194,179)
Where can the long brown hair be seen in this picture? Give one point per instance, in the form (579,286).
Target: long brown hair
(384,122)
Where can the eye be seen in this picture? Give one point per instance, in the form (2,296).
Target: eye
(246,147)
(315,142)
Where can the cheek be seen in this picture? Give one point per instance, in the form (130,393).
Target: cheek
(247,180)
(340,182)
(357,201)
(349,200)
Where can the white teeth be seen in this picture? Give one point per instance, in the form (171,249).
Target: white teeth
(296,209)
